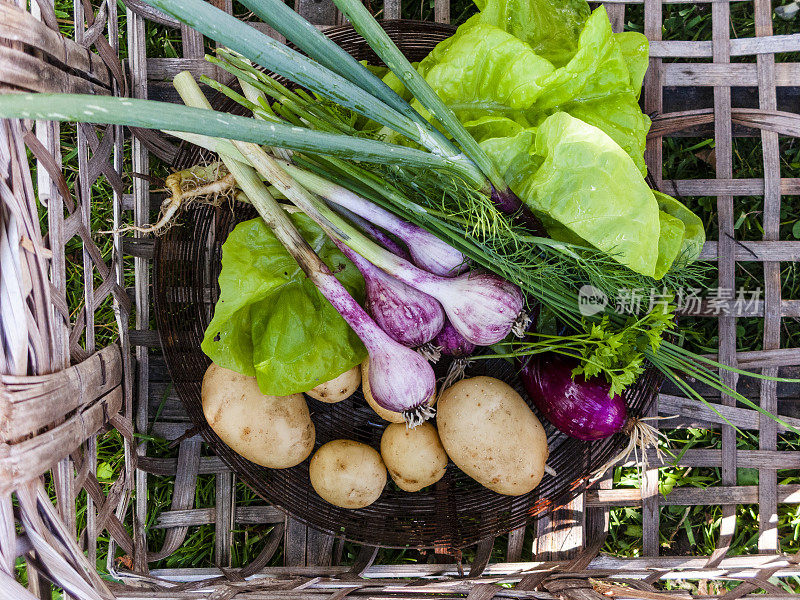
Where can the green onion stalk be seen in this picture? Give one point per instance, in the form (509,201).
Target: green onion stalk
(457,169)
(278,58)
(401,380)
(357,89)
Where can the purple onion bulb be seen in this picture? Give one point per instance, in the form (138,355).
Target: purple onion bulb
(482,307)
(579,407)
(452,343)
(401,380)
(407,315)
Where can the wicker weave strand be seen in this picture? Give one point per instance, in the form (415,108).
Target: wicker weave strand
(40,338)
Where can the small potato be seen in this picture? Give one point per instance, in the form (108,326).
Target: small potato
(415,457)
(490,433)
(271,431)
(347,473)
(386,415)
(339,388)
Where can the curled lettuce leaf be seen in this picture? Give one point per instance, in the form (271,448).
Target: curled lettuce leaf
(271,321)
(549,27)
(591,186)
(636,50)
(508,143)
(694,235)
(670,239)
(488,68)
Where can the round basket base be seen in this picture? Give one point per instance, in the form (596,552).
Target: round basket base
(453,513)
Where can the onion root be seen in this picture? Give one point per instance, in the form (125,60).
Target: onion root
(208,184)
(641,437)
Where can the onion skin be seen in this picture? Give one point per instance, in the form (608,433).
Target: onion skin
(400,380)
(481,306)
(453,343)
(582,409)
(407,315)
(432,254)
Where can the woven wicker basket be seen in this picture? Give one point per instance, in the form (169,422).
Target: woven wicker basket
(59,392)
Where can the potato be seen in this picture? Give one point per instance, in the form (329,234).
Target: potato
(386,415)
(347,473)
(490,433)
(272,431)
(339,388)
(415,457)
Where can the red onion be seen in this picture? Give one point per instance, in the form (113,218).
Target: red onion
(409,316)
(583,409)
(482,307)
(578,407)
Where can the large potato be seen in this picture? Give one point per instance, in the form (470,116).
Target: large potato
(339,388)
(415,457)
(491,434)
(386,415)
(347,473)
(272,431)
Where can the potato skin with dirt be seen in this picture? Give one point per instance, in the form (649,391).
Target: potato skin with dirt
(386,415)
(347,473)
(337,389)
(271,431)
(415,457)
(489,432)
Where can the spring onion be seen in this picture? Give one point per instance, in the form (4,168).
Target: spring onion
(406,314)
(401,379)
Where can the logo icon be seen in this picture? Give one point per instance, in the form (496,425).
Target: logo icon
(591,300)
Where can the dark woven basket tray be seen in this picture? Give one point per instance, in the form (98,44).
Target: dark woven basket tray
(453,513)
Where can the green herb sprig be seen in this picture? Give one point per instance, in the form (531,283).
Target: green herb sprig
(604,348)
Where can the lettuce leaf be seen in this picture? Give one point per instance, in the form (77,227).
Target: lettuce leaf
(670,239)
(509,144)
(488,67)
(584,187)
(551,94)
(694,235)
(591,186)
(549,27)
(597,86)
(636,50)
(483,70)
(271,321)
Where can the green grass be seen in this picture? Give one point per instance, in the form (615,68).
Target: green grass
(683,529)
